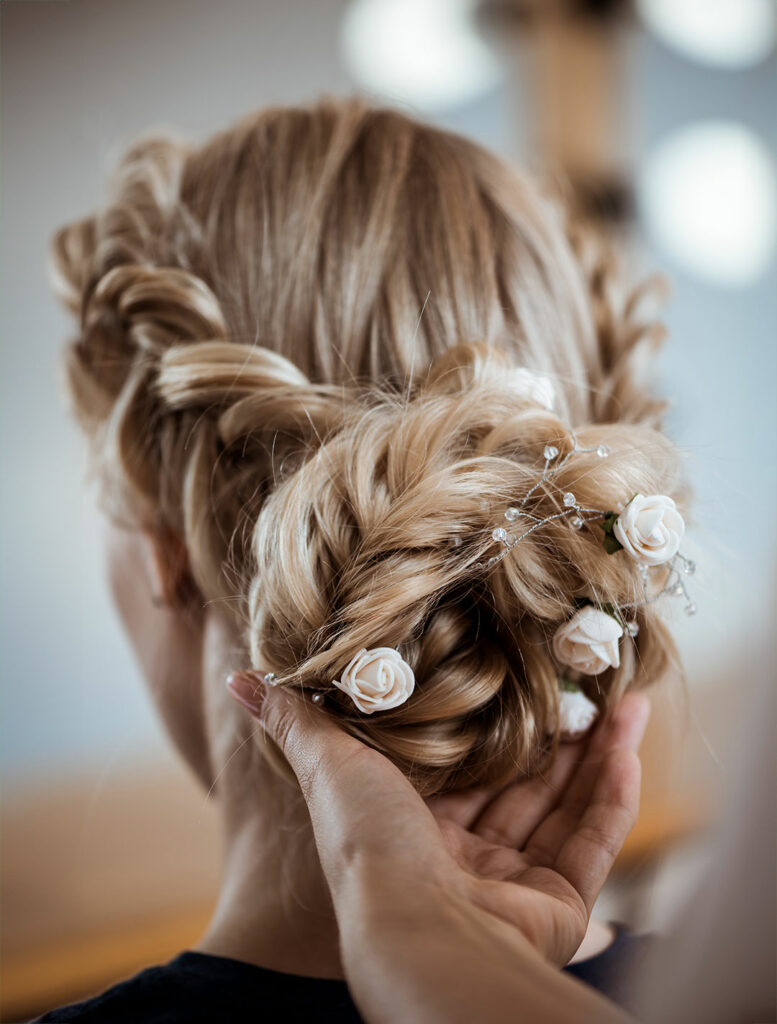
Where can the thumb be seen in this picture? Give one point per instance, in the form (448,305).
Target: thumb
(307,737)
(359,802)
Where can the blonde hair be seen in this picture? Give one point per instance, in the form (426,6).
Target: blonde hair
(294,352)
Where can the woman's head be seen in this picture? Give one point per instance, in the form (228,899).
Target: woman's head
(296,361)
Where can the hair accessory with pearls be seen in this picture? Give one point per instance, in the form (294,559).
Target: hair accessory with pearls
(648,529)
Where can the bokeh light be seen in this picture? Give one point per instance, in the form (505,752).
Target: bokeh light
(425,53)
(709,199)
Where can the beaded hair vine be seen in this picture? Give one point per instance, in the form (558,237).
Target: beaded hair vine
(649,529)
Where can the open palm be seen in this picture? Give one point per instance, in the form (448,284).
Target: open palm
(539,851)
(533,855)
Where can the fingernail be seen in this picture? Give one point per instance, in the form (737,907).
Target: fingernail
(247,688)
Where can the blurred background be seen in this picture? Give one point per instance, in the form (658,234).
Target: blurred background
(657,117)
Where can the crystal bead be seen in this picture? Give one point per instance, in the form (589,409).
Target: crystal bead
(632,628)
(689,568)
(602,451)
(551,451)
(269,679)
(318,698)
(576,523)
(691,609)
(569,500)
(499,534)
(511,539)
(511,515)
(678,590)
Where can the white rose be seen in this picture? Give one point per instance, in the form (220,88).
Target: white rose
(536,387)
(588,642)
(377,680)
(650,529)
(576,713)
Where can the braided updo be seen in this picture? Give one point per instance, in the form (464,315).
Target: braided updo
(296,351)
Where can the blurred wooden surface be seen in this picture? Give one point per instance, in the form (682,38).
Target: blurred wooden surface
(70,969)
(101,878)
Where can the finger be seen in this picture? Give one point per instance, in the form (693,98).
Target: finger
(358,800)
(587,856)
(464,806)
(623,730)
(514,813)
(519,810)
(248,689)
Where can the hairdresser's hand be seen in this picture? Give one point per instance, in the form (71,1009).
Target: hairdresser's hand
(540,850)
(532,857)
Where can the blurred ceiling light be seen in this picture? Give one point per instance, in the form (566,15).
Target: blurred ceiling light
(708,196)
(727,33)
(426,53)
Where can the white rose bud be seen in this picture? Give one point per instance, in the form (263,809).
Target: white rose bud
(588,642)
(576,713)
(650,529)
(536,387)
(377,680)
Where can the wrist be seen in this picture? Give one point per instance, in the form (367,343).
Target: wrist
(435,949)
(374,888)
(381,904)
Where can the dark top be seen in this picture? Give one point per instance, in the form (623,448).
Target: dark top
(196,988)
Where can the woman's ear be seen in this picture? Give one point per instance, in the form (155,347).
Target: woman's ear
(173,582)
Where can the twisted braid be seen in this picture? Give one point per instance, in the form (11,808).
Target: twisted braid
(153,358)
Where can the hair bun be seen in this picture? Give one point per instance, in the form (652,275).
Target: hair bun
(377,540)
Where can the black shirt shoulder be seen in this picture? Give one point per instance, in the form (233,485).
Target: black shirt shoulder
(196,988)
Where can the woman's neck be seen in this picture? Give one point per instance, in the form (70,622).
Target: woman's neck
(274,908)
